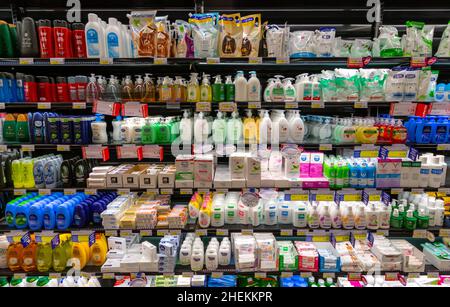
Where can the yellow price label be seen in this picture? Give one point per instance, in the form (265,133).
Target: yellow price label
(324,197)
(320,239)
(398,154)
(299,197)
(286,232)
(369,154)
(352,197)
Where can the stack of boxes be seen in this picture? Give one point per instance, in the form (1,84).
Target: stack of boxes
(114,212)
(168,251)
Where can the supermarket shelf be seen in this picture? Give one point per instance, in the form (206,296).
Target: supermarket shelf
(266,63)
(46,105)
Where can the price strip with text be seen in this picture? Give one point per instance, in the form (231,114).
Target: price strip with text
(129,151)
(135,109)
(95,152)
(106,108)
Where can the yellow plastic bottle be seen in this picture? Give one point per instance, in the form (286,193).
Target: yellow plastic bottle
(99,250)
(27,173)
(17,173)
(250,129)
(205,89)
(367,133)
(80,255)
(14,255)
(193,89)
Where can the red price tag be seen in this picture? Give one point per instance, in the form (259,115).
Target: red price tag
(403,109)
(358,62)
(153,152)
(129,152)
(106,108)
(418,62)
(134,108)
(95,152)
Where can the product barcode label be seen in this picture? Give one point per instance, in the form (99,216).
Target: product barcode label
(444,233)
(19,192)
(45,191)
(106,61)
(286,274)
(126,233)
(360,105)
(260,275)
(286,232)
(2,104)
(70,191)
(44,105)
(79,105)
(54,275)
(90,191)
(57,61)
(291,105)
(216,274)
(146,233)
(161,232)
(317,105)
(254,105)
(26,61)
(227,106)
(305,274)
(160,61)
(443,147)
(325,147)
(166,191)
(27,147)
(108,276)
(213,60)
(282,60)
(123,191)
(201,232)
(62,147)
(255,60)
(221,232)
(203,106)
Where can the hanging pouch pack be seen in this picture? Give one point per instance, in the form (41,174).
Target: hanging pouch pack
(419,39)
(327,85)
(144,31)
(205,34)
(390,44)
(372,84)
(324,42)
(361,48)
(230,35)
(301,44)
(395,84)
(347,84)
(444,45)
(277,39)
(162,37)
(184,42)
(342,48)
(251,35)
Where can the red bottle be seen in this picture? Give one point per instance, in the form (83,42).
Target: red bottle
(44,89)
(79,41)
(45,32)
(62,90)
(30,89)
(63,39)
(399,133)
(53,90)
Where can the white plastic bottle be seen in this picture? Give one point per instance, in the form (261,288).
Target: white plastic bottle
(270,213)
(439,217)
(315,86)
(234,129)
(114,39)
(336,220)
(219,129)
(265,129)
(372,217)
(268,90)
(299,215)
(300,86)
(253,88)
(280,127)
(313,217)
(384,217)
(201,129)
(348,218)
(325,217)
(98,127)
(360,218)
(277,94)
(290,94)
(240,85)
(296,128)
(284,213)
(186,128)
(95,37)
(197,259)
(117,126)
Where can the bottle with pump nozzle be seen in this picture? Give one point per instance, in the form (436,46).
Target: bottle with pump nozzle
(92,92)
(250,130)
(265,129)
(127,89)
(277,90)
(149,89)
(234,129)
(186,128)
(218,90)
(301,81)
(240,84)
(178,90)
(117,126)
(165,93)
(253,88)
(138,91)
(201,129)
(290,94)
(112,90)
(219,129)
(205,89)
(193,90)
(268,90)
(229,89)
(98,127)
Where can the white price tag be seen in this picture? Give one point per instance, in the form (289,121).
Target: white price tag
(2,105)
(18,192)
(90,191)
(247,231)
(152,151)
(79,105)
(93,152)
(44,191)
(227,106)
(203,106)
(123,191)
(133,108)
(3,148)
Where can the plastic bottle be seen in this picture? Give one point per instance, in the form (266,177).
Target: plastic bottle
(186,128)
(234,129)
(205,89)
(299,215)
(29,257)
(290,94)
(201,129)
(325,217)
(98,127)
(313,217)
(277,90)
(138,91)
(267,96)
(29,43)
(193,89)
(92,93)
(219,129)
(348,218)
(240,84)
(218,90)
(410,222)
(149,89)
(229,89)
(265,129)
(300,82)
(117,125)
(360,218)
(250,130)
(253,88)
(113,39)
(165,90)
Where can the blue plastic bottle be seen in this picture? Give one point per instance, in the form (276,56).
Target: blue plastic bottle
(439,94)
(362,179)
(353,174)
(410,126)
(64,214)
(371,173)
(425,130)
(36,214)
(447,92)
(10,210)
(442,130)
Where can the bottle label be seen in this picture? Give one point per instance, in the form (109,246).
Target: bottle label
(92,42)
(113,45)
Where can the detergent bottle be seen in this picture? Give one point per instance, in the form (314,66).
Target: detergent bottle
(14,256)
(29,256)
(229,89)
(98,250)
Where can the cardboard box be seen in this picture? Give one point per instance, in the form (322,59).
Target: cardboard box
(166,178)
(149,178)
(253,172)
(114,178)
(238,165)
(131,178)
(184,165)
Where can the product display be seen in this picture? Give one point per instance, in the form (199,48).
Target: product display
(224,145)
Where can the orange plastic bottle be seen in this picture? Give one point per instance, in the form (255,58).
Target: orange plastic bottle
(14,256)
(29,257)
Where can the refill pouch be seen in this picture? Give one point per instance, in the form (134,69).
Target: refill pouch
(205,34)
(347,84)
(184,42)
(361,48)
(144,32)
(230,35)
(162,37)
(277,39)
(342,48)
(372,84)
(419,39)
(301,44)
(324,42)
(411,84)
(390,44)
(395,84)
(444,45)
(327,85)
(251,35)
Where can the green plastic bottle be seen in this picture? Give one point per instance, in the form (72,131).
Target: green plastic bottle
(229,89)
(163,132)
(423,220)
(146,134)
(333,173)
(345,173)
(174,129)
(396,220)
(59,260)
(44,257)
(339,175)
(218,90)
(14,41)
(410,221)
(22,131)
(9,128)
(6,46)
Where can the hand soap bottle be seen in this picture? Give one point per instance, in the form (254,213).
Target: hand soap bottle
(219,129)
(290,94)
(193,89)
(277,90)
(300,87)
(250,130)
(218,90)
(205,90)
(229,89)
(253,88)
(149,89)
(268,90)
(265,129)
(186,128)
(98,127)
(240,84)
(234,129)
